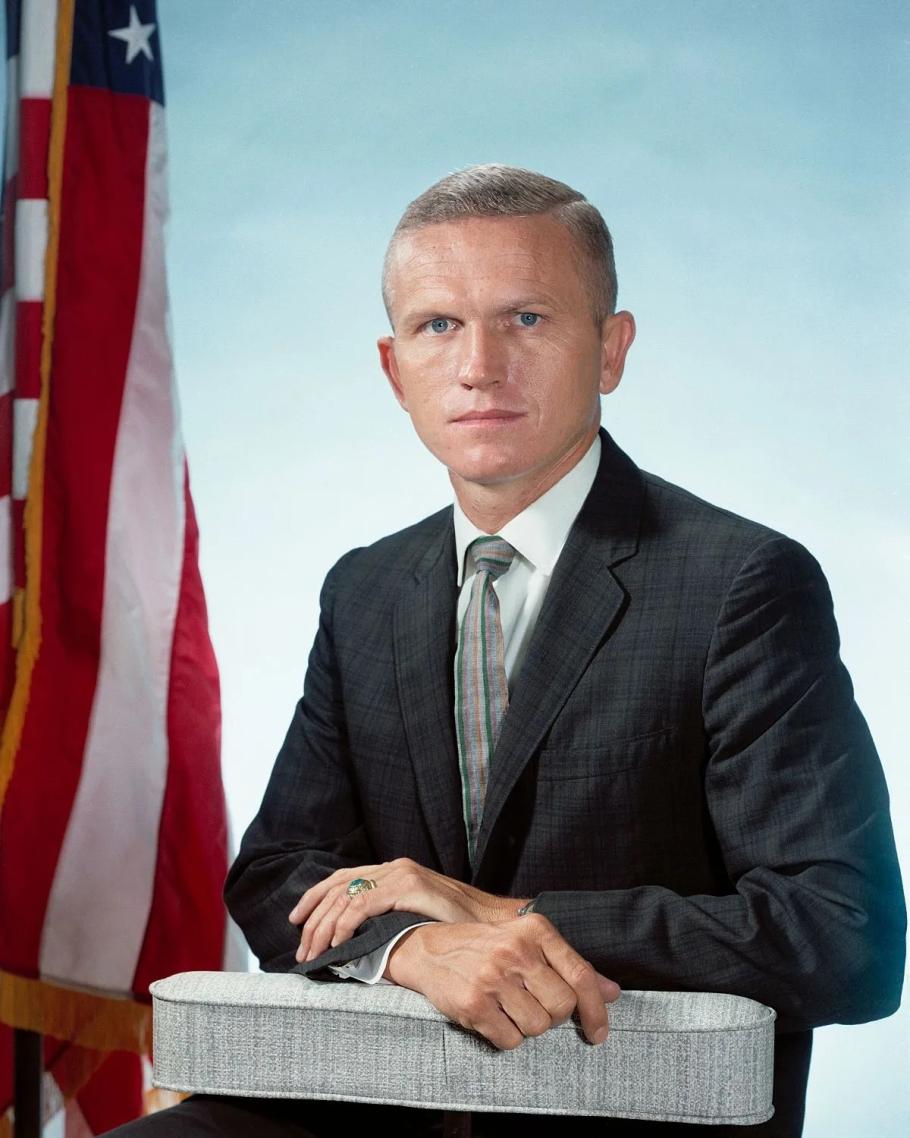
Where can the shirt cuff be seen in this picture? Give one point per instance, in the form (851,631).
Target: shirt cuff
(369,968)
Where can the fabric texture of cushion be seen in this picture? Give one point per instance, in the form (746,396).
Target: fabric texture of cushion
(670,1057)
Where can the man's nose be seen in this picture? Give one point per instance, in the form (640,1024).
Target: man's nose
(482,360)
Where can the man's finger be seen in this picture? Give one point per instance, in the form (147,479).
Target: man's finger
(525,1011)
(315,918)
(309,901)
(317,892)
(609,989)
(551,991)
(339,914)
(592,1011)
(321,931)
(321,922)
(584,981)
(358,908)
(485,1016)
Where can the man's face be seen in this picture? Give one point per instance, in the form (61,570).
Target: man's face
(496,356)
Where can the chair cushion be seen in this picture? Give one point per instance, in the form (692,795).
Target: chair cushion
(670,1056)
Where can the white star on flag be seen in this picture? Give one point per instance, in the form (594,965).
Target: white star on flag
(136,36)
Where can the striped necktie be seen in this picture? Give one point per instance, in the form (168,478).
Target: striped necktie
(481,690)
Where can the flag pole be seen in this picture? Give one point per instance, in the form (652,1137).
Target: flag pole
(27,1079)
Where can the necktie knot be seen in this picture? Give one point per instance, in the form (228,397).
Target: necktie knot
(492,555)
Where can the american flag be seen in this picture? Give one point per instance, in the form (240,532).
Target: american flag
(113,834)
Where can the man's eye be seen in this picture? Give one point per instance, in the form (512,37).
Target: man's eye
(529,319)
(439,324)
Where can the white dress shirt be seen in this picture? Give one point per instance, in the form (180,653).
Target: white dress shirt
(538,535)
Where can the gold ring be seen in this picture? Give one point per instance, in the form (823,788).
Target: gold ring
(361,885)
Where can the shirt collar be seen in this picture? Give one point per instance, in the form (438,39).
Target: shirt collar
(539,532)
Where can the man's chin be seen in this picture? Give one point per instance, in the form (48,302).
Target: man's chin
(486,474)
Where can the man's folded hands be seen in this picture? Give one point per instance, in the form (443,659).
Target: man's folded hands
(501,975)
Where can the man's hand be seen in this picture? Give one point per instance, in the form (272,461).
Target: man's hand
(506,980)
(330,916)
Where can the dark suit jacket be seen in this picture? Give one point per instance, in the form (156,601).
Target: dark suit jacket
(683,775)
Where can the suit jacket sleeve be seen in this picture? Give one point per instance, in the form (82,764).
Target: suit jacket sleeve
(815,922)
(309,824)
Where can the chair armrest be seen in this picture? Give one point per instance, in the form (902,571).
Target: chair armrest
(670,1056)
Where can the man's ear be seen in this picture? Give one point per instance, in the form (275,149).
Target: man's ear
(386,346)
(617,334)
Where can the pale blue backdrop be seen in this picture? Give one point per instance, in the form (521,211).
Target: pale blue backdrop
(751,160)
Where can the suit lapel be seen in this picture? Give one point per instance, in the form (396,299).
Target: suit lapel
(583,602)
(424,639)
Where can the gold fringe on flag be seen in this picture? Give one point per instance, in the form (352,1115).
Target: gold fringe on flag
(88,1020)
(27,609)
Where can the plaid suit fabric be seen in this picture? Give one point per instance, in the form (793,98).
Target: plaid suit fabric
(683,775)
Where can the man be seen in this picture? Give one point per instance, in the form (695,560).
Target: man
(581,691)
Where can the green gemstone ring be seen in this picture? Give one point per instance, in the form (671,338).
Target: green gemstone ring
(361,885)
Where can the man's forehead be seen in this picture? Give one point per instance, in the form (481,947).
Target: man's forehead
(519,251)
(443,266)
(473,237)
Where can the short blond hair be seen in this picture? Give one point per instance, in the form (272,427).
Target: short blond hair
(493,190)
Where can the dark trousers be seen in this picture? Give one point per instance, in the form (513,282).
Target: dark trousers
(207,1116)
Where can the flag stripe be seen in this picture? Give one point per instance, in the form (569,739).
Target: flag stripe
(86,939)
(18,545)
(76,1125)
(31,247)
(35,122)
(25,415)
(6,452)
(103,188)
(29,314)
(193,821)
(11,147)
(37,43)
(8,316)
(6,568)
(110,1095)
(8,235)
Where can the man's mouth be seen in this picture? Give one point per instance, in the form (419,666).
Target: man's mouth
(488,416)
